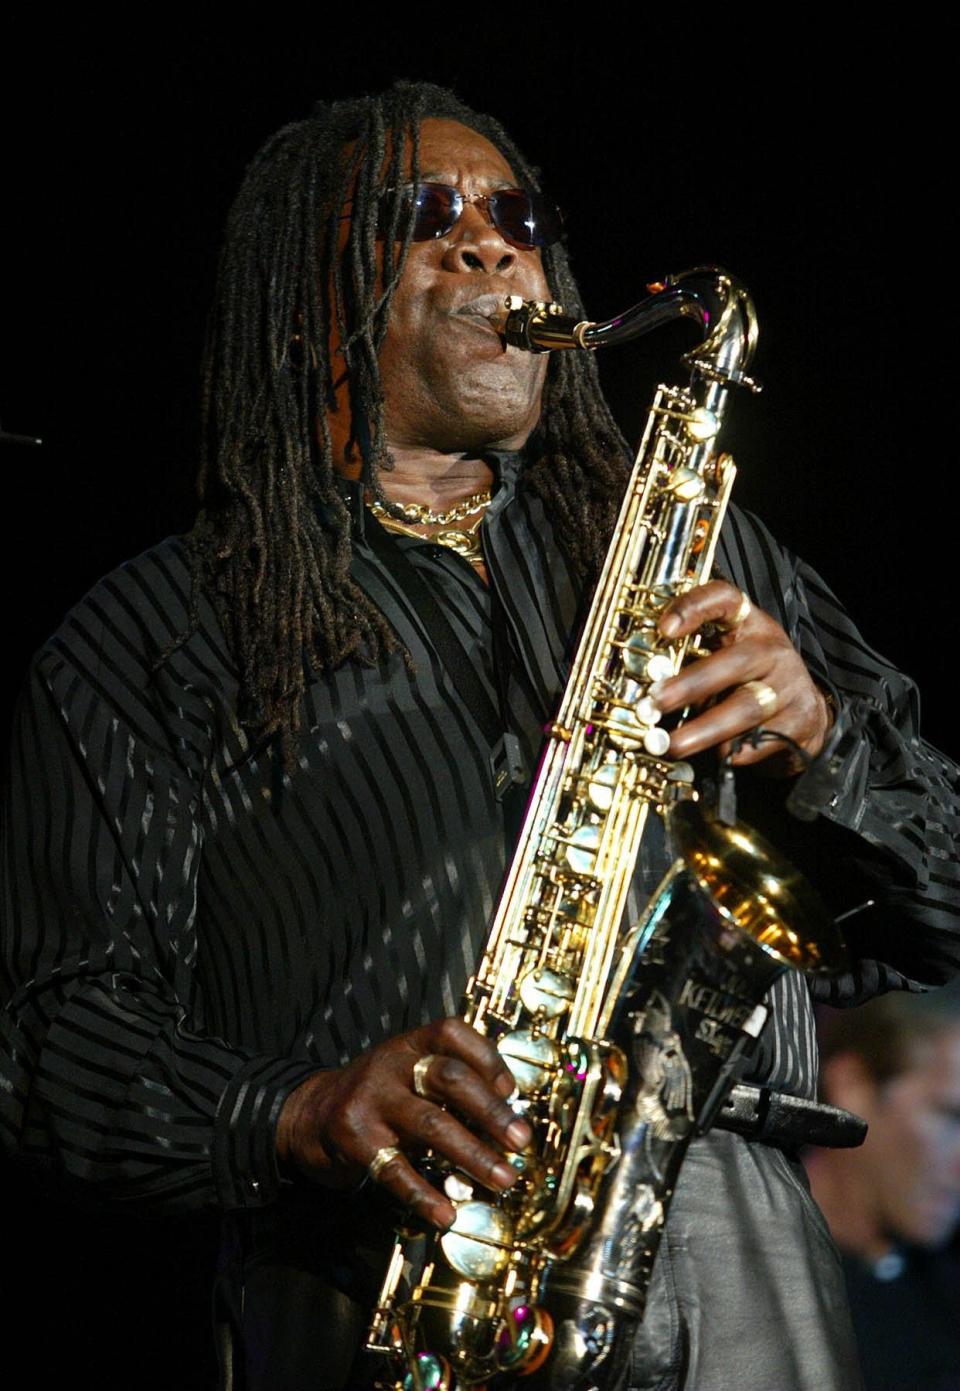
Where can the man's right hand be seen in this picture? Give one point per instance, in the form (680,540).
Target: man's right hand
(335,1123)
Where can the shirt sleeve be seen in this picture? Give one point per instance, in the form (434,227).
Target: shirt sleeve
(896,793)
(105,1076)
(891,821)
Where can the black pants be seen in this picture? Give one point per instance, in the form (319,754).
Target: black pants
(747,1293)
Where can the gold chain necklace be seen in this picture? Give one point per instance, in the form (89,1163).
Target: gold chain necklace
(417,514)
(464,540)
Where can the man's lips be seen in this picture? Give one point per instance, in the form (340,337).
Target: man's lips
(479,310)
(480,307)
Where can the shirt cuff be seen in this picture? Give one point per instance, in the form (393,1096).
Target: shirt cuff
(245,1169)
(836,783)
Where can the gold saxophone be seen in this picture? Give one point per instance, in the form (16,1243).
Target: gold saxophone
(621,1038)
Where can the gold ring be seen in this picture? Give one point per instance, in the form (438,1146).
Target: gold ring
(765,696)
(420,1075)
(385,1155)
(744,609)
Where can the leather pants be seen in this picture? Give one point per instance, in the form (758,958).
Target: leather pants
(747,1292)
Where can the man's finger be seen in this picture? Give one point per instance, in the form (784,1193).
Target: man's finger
(735,715)
(455,1037)
(391,1168)
(716,602)
(430,1127)
(454,1083)
(721,671)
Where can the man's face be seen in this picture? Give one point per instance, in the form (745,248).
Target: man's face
(912,1150)
(449,384)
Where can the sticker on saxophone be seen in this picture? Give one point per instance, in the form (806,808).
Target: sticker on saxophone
(665,1098)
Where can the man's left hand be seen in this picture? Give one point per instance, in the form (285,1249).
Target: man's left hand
(753,648)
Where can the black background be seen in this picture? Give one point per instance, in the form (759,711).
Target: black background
(809,158)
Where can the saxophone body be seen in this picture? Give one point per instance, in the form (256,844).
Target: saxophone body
(622,1037)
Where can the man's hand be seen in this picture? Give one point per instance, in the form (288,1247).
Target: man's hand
(334,1124)
(754,649)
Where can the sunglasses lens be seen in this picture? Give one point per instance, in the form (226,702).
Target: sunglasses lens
(437,208)
(526,219)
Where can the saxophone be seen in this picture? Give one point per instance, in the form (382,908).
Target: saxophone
(622,1039)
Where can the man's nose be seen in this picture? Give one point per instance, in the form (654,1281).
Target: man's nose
(476,245)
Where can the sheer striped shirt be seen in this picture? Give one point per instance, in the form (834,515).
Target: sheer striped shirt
(188,935)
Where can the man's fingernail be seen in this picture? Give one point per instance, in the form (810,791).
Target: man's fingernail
(669,624)
(504,1175)
(655,691)
(519,1134)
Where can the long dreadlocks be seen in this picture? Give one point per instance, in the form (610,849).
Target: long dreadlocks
(272,537)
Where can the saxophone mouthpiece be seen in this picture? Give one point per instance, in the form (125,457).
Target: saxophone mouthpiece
(538,326)
(509,306)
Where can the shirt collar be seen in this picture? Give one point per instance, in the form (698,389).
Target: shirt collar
(506,468)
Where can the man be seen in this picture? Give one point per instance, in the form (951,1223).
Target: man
(273,847)
(894,1205)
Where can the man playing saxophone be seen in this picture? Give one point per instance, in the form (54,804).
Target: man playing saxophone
(247,889)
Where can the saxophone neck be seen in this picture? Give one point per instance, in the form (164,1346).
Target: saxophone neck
(716,300)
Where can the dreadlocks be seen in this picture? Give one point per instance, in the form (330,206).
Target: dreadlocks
(272,537)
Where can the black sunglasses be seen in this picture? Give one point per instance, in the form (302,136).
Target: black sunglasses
(525,220)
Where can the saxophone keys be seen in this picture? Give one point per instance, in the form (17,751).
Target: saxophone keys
(581,853)
(479,1243)
(646,711)
(701,425)
(544,992)
(641,659)
(457,1189)
(432,1374)
(656,742)
(681,774)
(530,1057)
(524,1340)
(659,667)
(625,733)
(685,484)
(601,785)
(635,724)
(638,649)
(723,469)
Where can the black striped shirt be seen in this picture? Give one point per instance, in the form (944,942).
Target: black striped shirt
(188,935)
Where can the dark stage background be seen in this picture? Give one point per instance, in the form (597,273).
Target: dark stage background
(805,167)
